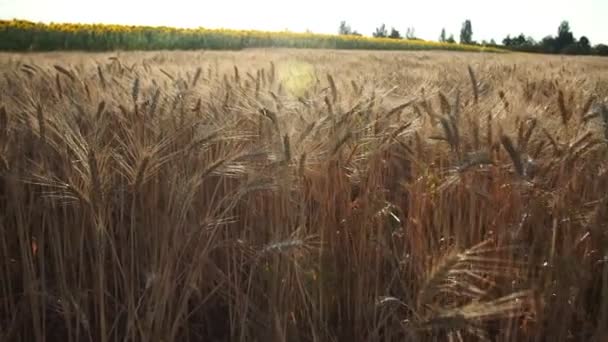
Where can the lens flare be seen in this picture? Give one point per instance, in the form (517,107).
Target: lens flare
(296,77)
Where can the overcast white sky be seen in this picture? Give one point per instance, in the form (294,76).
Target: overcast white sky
(490,18)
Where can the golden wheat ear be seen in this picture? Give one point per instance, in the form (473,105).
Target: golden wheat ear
(453,300)
(469,318)
(465,274)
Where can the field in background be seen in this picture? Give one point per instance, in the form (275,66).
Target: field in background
(303,196)
(21,35)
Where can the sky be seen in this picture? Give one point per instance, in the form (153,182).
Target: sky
(490,18)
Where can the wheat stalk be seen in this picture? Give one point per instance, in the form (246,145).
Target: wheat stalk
(514,154)
(474,84)
(65,72)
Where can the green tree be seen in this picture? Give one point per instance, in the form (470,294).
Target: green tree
(451,39)
(380,32)
(394,34)
(466,33)
(584,45)
(564,37)
(548,44)
(601,50)
(442,36)
(344,28)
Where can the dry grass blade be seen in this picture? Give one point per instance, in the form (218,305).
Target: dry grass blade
(302,165)
(306,132)
(355,87)
(340,143)
(563,110)
(587,106)
(196,144)
(455,110)
(28,72)
(330,108)
(503,98)
(100,110)
(41,123)
(287,148)
(556,148)
(451,133)
(135,90)
(154,103)
(29,67)
(398,109)
(271,73)
(95,194)
(334,89)
(3,123)
(473,159)
(474,84)
(526,137)
(213,167)
(272,116)
(514,154)
(65,72)
(237,77)
(59,87)
(395,134)
(171,77)
(445,104)
(197,76)
(139,179)
(102,78)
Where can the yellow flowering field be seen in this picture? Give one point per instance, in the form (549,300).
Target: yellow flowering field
(20,35)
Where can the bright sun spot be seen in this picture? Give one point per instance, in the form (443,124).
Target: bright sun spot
(297,77)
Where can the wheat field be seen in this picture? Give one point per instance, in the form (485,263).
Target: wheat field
(296,195)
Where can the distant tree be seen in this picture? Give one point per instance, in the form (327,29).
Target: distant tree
(451,39)
(410,33)
(394,34)
(380,32)
(519,40)
(564,43)
(548,45)
(466,33)
(584,45)
(564,37)
(344,28)
(572,49)
(442,36)
(492,41)
(601,50)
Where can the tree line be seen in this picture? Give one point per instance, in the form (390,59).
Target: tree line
(563,43)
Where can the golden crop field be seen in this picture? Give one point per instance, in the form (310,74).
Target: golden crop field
(303,195)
